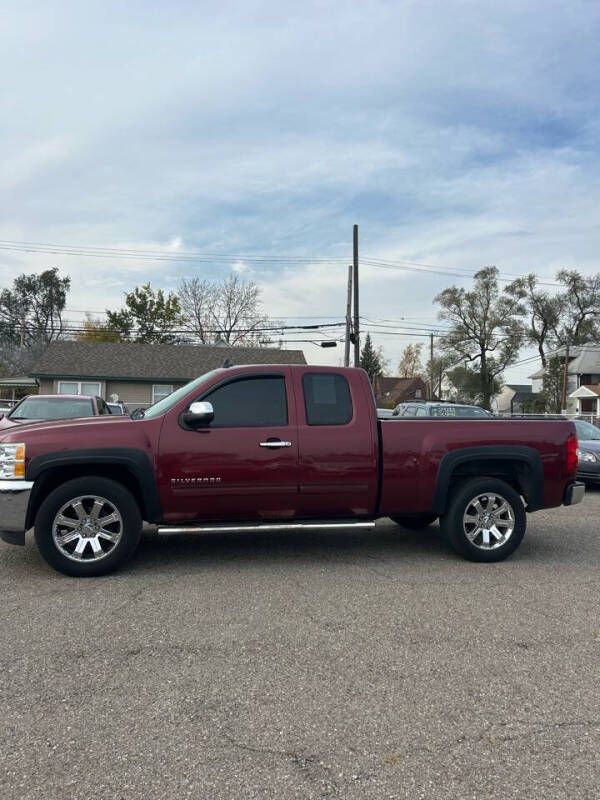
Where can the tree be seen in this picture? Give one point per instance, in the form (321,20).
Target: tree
(148,316)
(31,312)
(466,384)
(94,330)
(577,322)
(544,311)
(552,385)
(442,363)
(486,330)
(410,365)
(228,310)
(370,360)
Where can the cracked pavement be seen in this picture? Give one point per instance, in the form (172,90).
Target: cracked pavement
(318,665)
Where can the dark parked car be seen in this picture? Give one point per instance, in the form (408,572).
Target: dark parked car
(40,407)
(452,410)
(588,454)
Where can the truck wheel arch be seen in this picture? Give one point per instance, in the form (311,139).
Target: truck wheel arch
(130,466)
(521,463)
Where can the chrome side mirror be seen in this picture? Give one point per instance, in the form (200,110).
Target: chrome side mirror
(199,413)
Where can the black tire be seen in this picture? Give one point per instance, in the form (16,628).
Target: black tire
(454,526)
(414,521)
(125,530)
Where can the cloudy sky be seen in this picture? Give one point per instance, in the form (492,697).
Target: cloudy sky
(456,133)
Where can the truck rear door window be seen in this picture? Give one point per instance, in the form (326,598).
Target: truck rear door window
(327,399)
(250,403)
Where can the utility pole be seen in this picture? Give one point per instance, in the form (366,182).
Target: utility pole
(431,366)
(563,404)
(348,318)
(356,314)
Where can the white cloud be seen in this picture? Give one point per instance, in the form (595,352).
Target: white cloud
(460,133)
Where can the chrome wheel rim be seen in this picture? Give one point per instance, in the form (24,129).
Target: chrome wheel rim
(87,528)
(488,521)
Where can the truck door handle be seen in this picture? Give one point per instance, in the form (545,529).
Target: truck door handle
(275,443)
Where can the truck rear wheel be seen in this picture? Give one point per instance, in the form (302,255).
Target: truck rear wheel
(414,521)
(485,520)
(88,526)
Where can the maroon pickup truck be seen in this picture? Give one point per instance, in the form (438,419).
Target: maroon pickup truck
(276,447)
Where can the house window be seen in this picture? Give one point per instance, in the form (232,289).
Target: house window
(160,391)
(87,388)
(418,394)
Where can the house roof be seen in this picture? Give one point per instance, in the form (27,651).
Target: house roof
(586,391)
(18,381)
(149,362)
(521,388)
(397,389)
(583,359)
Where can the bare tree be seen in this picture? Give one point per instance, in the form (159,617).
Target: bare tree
(485,328)
(228,310)
(543,309)
(31,311)
(410,365)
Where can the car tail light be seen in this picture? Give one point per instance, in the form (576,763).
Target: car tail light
(572,459)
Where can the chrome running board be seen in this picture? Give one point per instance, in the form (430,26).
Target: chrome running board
(265,527)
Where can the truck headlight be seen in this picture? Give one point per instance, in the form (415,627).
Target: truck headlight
(12,461)
(585,455)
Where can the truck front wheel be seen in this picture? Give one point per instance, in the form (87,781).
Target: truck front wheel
(485,520)
(88,526)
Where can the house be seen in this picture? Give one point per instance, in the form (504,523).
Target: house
(391,391)
(587,399)
(11,389)
(514,398)
(583,370)
(140,374)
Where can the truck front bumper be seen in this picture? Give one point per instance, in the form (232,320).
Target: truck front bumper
(574,493)
(14,501)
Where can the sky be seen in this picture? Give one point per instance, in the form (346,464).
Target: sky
(457,133)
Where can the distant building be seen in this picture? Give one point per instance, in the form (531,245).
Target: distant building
(587,399)
(583,370)
(140,374)
(391,391)
(514,398)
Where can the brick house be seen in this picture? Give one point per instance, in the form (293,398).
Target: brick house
(391,391)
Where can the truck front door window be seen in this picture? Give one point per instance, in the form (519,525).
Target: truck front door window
(250,403)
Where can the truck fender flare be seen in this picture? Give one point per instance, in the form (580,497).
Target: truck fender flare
(521,454)
(135,461)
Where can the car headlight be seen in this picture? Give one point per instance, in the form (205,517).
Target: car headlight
(12,460)
(585,455)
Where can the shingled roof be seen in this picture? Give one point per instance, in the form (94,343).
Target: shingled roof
(168,363)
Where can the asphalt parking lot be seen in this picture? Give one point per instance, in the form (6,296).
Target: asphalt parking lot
(346,665)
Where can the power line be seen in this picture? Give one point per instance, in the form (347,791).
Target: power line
(157,255)
(212,257)
(408,267)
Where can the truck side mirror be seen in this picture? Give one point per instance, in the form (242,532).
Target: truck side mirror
(199,413)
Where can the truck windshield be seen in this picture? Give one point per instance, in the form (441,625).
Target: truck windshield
(170,400)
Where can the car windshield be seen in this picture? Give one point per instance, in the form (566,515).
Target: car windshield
(458,411)
(587,432)
(53,408)
(172,399)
